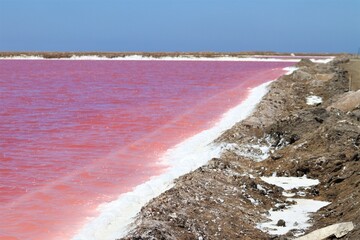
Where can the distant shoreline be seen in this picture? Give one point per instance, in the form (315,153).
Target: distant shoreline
(110,55)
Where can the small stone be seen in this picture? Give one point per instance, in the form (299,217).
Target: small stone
(355,157)
(276,156)
(282,206)
(294,138)
(281,223)
(319,120)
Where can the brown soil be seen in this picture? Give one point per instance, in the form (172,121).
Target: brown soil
(226,198)
(353,68)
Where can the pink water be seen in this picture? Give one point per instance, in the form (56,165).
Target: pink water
(74,134)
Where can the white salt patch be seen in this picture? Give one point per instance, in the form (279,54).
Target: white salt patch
(288,194)
(325,60)
(288,183)
(295,217)
(313,100)
(115,218)
(90,57)
(23,58)
(259,187)
(256,152)
(290,70)
(253,201)
(301,193)
(250,176)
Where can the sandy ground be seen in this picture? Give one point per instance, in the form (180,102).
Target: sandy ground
(353,68)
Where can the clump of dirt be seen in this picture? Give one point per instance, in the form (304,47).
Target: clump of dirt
(305,63)
(208,204)
(226,198)
(347,102)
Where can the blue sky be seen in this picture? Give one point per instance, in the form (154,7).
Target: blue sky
(180,25)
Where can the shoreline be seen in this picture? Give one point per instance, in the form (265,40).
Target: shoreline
(109,55)
(168,56)
(228,197)
(263,58)
(199,148)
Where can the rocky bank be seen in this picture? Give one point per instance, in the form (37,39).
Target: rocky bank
(307,124)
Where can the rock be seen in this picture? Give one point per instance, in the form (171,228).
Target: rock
(356,113)
(324,76)
(340,60)
(348,102)
(339,230)
(293,138)
(301,75)
(217,163)
(276,156)
(355,157)
(319,120)
(281,206)
(305,63)
(281,223)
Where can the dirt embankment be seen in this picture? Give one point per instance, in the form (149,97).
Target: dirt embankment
(353,71)
(311,127)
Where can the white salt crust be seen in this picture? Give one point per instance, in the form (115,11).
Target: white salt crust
(296,216)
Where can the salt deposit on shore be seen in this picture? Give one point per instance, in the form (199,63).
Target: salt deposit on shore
(115,217)
(288,183)
(295,216)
